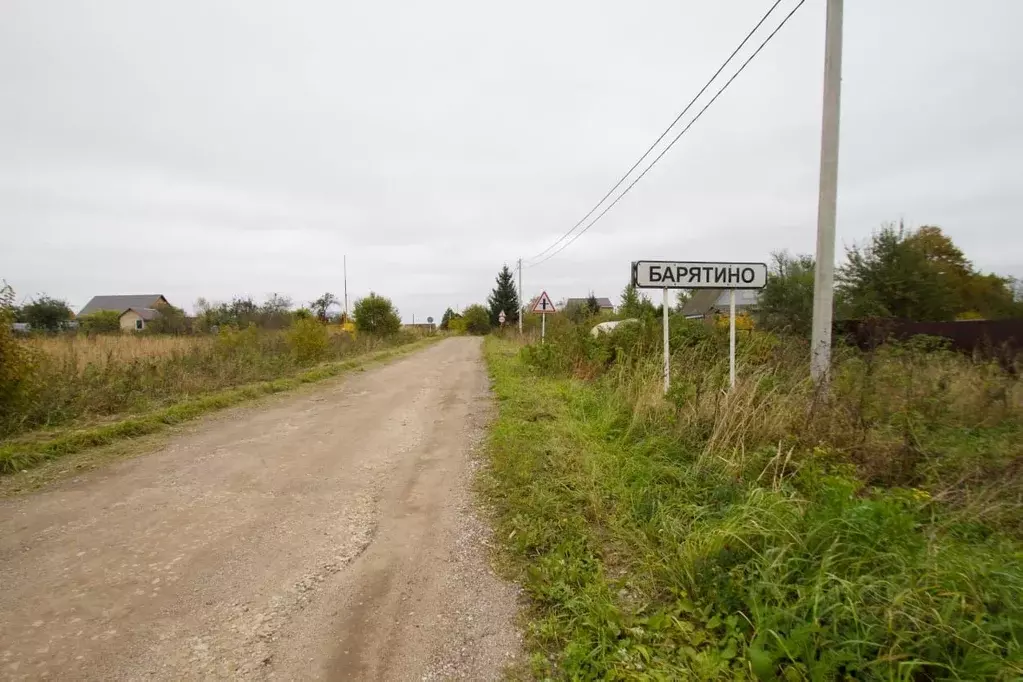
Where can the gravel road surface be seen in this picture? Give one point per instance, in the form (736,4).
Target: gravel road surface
(325,535)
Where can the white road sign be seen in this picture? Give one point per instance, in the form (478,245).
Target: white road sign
(501,317)
(659,274)
(544,305)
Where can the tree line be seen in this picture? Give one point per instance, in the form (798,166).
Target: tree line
(918,275)
(374,314)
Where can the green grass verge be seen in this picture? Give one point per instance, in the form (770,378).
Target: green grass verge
(24,454)
(643,561)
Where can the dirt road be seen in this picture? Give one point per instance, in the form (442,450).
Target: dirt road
(326,535)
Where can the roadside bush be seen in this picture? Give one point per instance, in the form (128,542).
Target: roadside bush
(476,319)
(308,340)
(171,320)
(17,363)
(100,322)
(376,314)
(457,325)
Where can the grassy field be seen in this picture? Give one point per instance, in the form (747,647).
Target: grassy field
(763,533)
(77,392)
(99,351)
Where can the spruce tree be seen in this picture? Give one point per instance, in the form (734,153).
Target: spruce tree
(446,319)
(504,297)
(631,304)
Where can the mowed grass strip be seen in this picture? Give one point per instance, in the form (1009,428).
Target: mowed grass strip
(21,455)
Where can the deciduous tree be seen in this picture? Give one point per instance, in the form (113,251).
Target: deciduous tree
(786,303)
(920,275)
(46,313)
(889,277)
(376,314)
(476,319)
(323,304)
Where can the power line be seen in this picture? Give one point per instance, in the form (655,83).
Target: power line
(676,139)
(666,130)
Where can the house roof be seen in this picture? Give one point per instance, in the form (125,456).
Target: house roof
(145,313)
(602,301)
(704,301)
(121,303)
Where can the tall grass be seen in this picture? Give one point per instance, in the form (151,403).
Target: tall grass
(768,532)
(82,350)
(77,378)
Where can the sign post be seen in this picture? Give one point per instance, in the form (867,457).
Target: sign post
(544,306)
(667,352)
(731,338)
(659,274)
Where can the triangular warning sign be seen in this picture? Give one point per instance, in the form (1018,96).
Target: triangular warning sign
(543,304)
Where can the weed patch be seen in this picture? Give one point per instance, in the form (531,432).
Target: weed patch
(759,534)
(24,454)
(69,378)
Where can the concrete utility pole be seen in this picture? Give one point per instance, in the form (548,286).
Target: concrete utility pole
(345,261)
(520,297)
(824,273)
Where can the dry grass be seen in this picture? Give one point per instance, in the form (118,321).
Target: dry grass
(103,349)
(76,378)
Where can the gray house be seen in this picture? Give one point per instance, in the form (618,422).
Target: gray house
(605,303)
(136,310)
(706,303)
(122,303)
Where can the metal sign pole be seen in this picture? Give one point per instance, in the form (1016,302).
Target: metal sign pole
(731,338)
(667,351)
(543,327)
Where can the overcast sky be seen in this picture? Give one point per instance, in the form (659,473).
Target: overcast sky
(212,148)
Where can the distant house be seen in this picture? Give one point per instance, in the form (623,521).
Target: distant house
(135,310)
(605,303)
(135,319)
(707,303)
(21,327)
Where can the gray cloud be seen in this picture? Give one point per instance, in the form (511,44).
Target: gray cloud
(213,149)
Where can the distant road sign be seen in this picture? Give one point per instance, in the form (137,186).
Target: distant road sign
(501,317)
(659,274)
(429,320)
(544,305)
